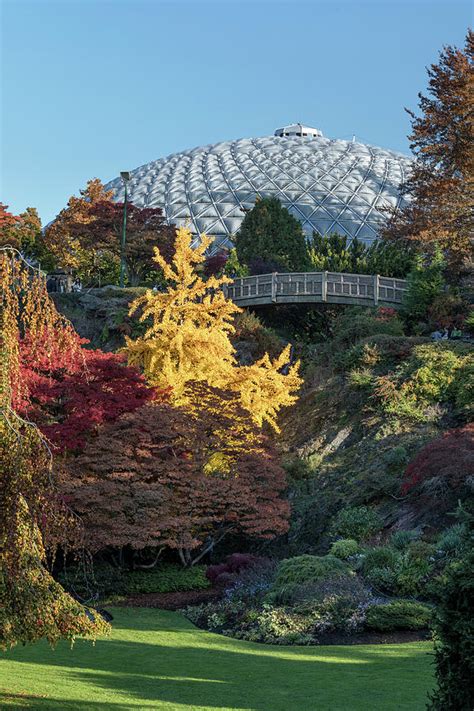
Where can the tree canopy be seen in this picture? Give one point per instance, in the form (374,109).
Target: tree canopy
(165,476)
(441,183)
(34,517)
(269,233)
(188,339)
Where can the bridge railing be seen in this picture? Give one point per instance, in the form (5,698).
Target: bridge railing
(307,287)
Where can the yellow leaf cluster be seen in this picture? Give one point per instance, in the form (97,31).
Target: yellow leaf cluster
(188,339)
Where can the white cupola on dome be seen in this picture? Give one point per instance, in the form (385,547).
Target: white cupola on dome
(298,129)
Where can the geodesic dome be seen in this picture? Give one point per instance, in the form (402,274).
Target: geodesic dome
(329,185)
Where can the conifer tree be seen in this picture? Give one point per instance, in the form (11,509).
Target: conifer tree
(188,339)
(269,233)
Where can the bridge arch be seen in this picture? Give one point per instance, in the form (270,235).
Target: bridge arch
(317,287)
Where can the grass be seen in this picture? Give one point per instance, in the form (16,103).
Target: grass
(158,660)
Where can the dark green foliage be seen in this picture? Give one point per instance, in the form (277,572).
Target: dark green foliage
(426,283)
(452,540)
(105,580)
(358,522)
(344,548)
(391,259)
(333,253)
(354,325)
(292,573)
(454,632)
(306,568)
(252,339)
(269,233)
(398,572)
(398,615)
(383,557)
(402,539)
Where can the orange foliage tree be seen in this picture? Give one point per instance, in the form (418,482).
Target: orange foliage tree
(441,184)
(61,236)
(179,478)
(8,222)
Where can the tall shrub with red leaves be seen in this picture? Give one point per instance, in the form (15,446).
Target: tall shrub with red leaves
(70,392)
(440,472)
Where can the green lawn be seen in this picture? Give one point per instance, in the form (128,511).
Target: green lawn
(158,660)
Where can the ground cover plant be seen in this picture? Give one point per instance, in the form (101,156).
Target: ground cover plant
(159,660)
(104,580)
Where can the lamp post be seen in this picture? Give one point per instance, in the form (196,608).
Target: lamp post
(125,175)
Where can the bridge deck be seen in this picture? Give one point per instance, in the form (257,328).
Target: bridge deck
(317,287)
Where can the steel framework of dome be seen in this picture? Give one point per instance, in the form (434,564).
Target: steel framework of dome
(329,185)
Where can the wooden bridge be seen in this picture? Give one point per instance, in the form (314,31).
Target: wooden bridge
(317,287)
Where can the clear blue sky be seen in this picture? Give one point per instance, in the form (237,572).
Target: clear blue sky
(92,87)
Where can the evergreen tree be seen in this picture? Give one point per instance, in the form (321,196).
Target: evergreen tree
(454,630)
(425,284)
(270,234)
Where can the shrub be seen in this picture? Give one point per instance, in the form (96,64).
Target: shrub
(226,573)
(317,591)
(354,325)
(441,473)
(426,284)
(454,635)
(433,374)
(166,578)
(411,575)
(384,557)
(257,338)
(253,582)
(361,378)
(308,568)
(400,573)
(104,580)
(398,615)
(452,541)
(292,573)
(344,548)
(358,522)
(382,579)
(280,626)
(402,539)
(337,603)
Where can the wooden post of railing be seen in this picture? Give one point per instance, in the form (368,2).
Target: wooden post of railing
(274,287)
(324,286)
(376,289)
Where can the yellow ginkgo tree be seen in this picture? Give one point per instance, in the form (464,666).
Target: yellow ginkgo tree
(189,339)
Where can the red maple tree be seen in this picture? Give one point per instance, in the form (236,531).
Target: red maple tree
(70,391)
(183,479)
(441,470)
